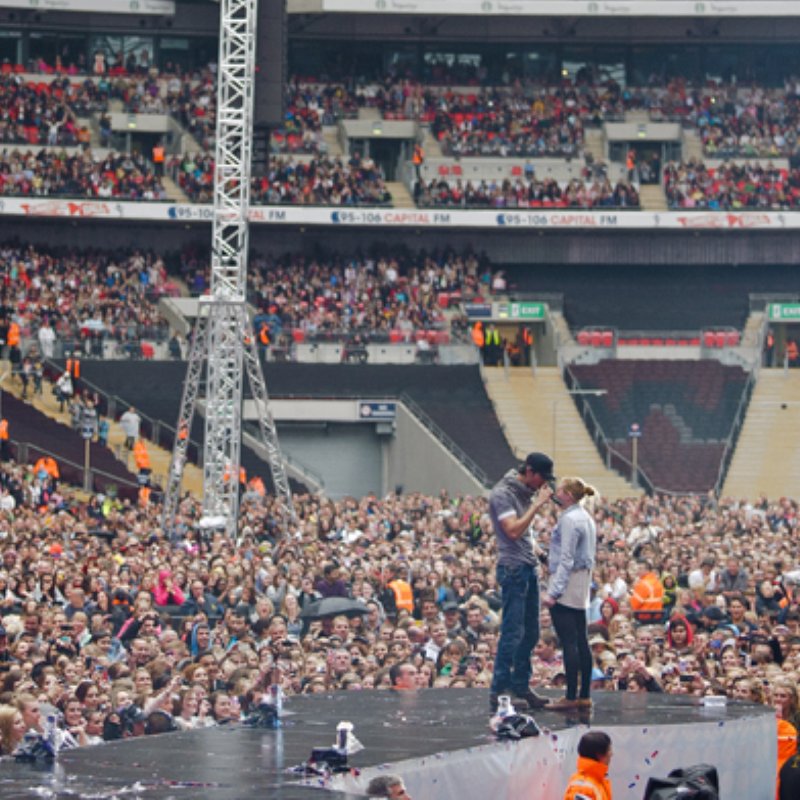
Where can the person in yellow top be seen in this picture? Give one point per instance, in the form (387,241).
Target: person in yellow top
(590,781)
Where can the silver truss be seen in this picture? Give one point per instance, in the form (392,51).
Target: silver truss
(223,326)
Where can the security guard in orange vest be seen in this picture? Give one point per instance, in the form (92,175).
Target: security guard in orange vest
(74,367)
(5,453)
(144,496)
(14,353)
(403,595)
(478,338)
(158,159)
(418,159)
(263,335)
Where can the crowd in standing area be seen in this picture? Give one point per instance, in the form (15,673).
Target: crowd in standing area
(114,628)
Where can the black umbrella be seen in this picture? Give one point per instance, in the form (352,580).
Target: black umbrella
(333,607)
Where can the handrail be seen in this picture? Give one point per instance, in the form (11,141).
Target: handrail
(444,438)
(607,451)
(79,467)
(113,401)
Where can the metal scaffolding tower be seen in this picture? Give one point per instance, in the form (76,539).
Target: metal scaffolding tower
(223,336)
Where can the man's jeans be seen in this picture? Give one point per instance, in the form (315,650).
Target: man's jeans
(519,628)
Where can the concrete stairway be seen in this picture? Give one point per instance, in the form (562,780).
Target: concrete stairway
(330,135)
(637,117)
(652,197)
(537,413)
(767,457)
(595,143)
(47,404)
(174,192)
(430,144)
(401,197)
(692,146)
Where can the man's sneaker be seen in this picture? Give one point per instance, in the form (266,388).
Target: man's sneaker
(534,701)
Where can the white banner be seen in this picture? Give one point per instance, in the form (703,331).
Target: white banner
(409,217)
(159,7)
(555,8)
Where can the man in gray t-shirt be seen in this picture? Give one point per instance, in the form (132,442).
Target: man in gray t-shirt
(513,503)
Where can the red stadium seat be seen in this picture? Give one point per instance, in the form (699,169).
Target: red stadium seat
(148,351)
(596,338)
(719,339)
(396,336)
(444,169)
(709,340)
(457,170)
(732,338)
(584,338)
(608,338)
(299,335)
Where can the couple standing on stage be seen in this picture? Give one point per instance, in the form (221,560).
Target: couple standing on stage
(513,504)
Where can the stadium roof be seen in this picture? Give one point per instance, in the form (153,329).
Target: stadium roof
(554,8)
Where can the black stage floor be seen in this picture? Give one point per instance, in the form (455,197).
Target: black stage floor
(236,762)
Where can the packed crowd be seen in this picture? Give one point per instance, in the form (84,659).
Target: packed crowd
(731,186)
(64,299)
(733,121)
(55,173)
(529,193)
(320,180)
(110,628)
(46,113)
(368,297)
(191,98)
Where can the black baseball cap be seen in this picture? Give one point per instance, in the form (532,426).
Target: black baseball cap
(539,463)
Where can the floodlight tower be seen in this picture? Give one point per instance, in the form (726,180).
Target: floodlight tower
(223,338)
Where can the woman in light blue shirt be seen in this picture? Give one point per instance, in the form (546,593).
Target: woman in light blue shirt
(572,554)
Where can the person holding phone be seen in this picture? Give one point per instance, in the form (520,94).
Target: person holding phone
(573,546)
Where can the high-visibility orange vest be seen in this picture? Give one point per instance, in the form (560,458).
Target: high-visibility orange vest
(4,430)
(140,455)
(158,155)
(183,433)
(243,476)
(527,336)
(477,334)
(144,496)
(791,350)
(263,335)
(257,485)
(419,155)
(13,335)
(48,465)
(403,596)
(74,367)
(648,594)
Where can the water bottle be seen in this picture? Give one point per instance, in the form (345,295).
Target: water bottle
(50,733)
(504,709)
(276,698)
(343,731)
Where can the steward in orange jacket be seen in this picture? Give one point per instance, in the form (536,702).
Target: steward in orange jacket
(590,781)
(647,598)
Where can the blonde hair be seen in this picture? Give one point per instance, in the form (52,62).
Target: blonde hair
(8,739)
(581,491)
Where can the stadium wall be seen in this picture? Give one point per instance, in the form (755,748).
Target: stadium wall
(507,246)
